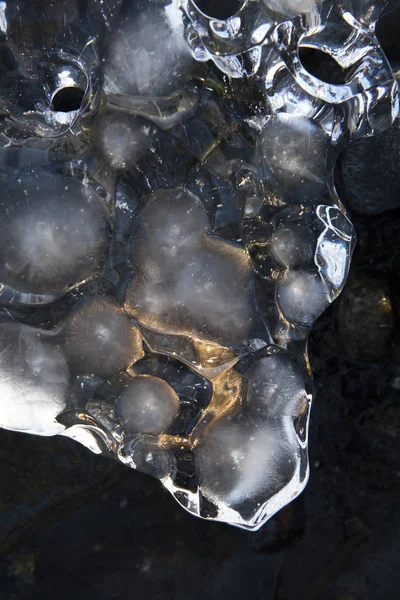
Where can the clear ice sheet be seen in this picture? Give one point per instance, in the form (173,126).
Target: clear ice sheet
(170,230)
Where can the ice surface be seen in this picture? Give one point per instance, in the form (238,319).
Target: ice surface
(170,230)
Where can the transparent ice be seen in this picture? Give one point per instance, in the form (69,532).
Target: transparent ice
(170,229)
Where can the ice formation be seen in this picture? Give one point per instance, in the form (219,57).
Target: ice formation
(170,230)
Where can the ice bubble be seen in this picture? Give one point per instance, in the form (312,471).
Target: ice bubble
(147,405)
(295,152)
(148,54)
(189,282)
(123,140)
(242,459)
(292,246)
(54,233)
(275,387)
(99,338)
(34,380)
(302,296)
(252,207)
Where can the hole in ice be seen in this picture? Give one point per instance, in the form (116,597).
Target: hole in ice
(68,99)
(219,10)
(322,66)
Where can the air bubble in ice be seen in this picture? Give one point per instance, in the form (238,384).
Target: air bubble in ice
(53,233)
(302,297)
(143,453)
(99,338)
(295,152)
(275,387)
(241,455)
(123,140)
(148,55)
(243,459)
(292,246)
(147,405)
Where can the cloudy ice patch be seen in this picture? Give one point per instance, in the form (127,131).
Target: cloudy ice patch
(34,380)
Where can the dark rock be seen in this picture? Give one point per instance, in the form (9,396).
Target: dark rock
(368,173)
(365,317)
(43,479)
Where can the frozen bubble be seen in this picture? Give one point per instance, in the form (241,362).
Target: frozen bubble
(99,338)
(147,405)
(275,387)
(54,233)
(241,459)
(123,140)
(293,246)
(295,152)
(252,207)
(302,296)
(148,54)
(187,281)
(172,219)
(34,380)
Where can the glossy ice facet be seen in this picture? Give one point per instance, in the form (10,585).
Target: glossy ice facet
(170,230)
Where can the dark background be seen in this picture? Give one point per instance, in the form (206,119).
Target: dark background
(74,525)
